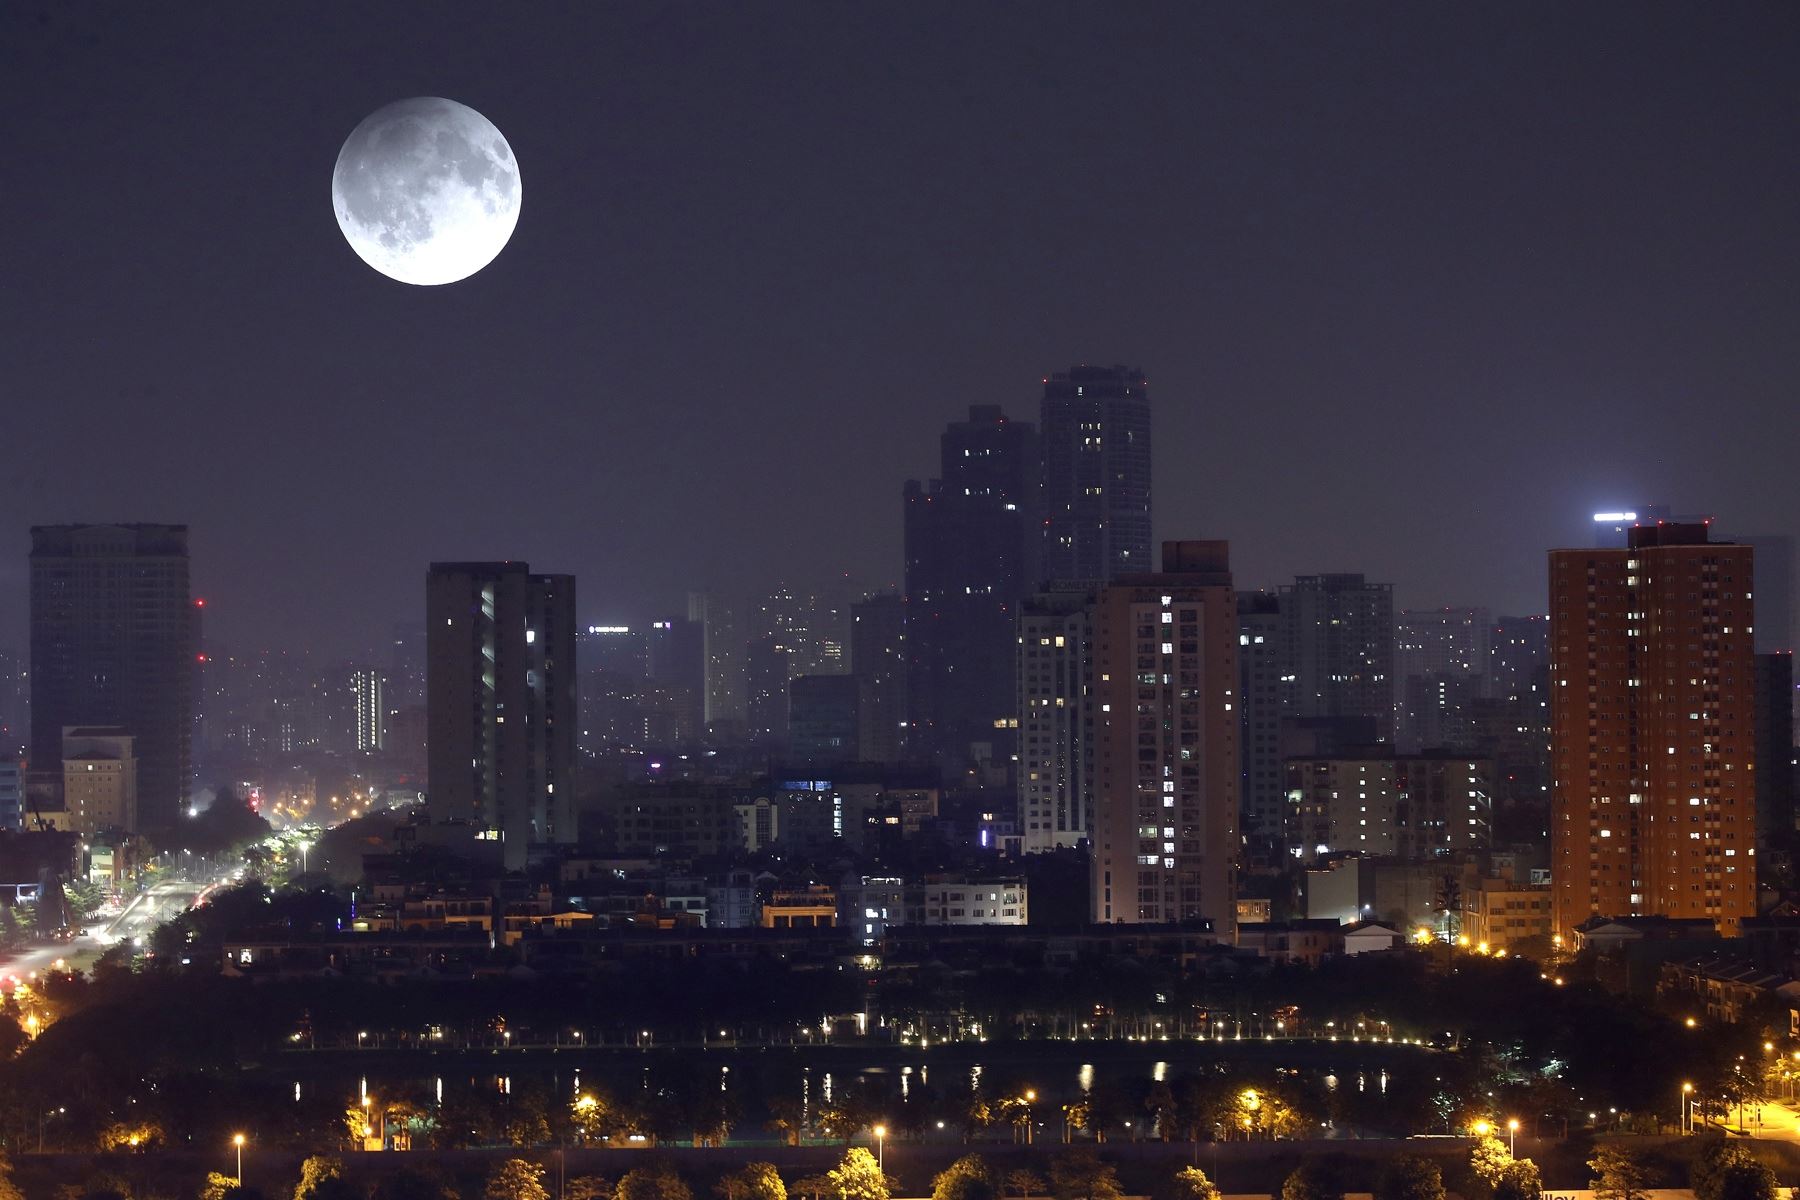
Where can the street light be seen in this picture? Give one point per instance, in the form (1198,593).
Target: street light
(1687,1125)
(1482,1128)
(881,1147)
(1512,1130)
(1030,1099)
(237,1139)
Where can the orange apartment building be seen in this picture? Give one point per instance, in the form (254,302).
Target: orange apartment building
(1652,686)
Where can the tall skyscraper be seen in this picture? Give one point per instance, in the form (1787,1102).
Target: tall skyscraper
(1095,423)
(1056,718)
(1263,819)
(973,549)
(367,687)
(1774,747)
(112,643)
(1165,842)
(500,686)
(766,673)
(677,660)
(723,646)
(878,660)
(15,707)
(1652,715)
(1338,649)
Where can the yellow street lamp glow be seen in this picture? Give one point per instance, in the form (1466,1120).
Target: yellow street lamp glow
(1030,1096)
(1482,1128)
(1422,936)
(237,1139)
(881,1131)
(1691,1022)
(1686,1088)
(1513,1124)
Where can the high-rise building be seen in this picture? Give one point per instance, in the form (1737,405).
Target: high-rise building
(1390,805)
(1338,649)
(1165,838)
(12,795)
(1517,647)
(1774,748)
(1095,423)
(1264,789)
(1441,660)
(813,625)
(677,662)
(1056,718)
(822,712)
(878,661)
(367,687)
(1775,585)
(723,647)
(112,643)
(500,686)
(15,708)
(766,673)
(1652,716)
(973,547)
(99,780)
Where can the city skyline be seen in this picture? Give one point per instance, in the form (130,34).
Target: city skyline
(1416,340)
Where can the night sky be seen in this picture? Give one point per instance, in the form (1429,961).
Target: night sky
(1417,287)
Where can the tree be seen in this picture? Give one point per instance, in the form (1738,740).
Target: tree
(588,1116)
(858,1177)
(8,1189)
(316,1173)
(1618,1174)
(1519,1182)
(588,1187)
(1747,1180)
(752,1181)
(1080,1175)
(813,1187)
(1312,1181)
(1489,1159)
(217,1186)
(1189,1183)
(516,1179)
(968,1178)
(1024,1183)
(1410,1178)
(658,1181)
(1708,1171)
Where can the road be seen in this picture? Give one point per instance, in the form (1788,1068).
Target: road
(146,911)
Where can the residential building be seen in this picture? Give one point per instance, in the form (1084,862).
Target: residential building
(368,687)
(12,795)
(1774,747)
(100,786)
(1338,649)
(1652,713)
(1380,803)
(822,713)
(1166,774)
(113,643)
(973,539)
(1095,423)
(1260,669)
(500,685)
(1056,718)
(878,661)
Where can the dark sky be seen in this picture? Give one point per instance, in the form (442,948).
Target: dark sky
(1417,286)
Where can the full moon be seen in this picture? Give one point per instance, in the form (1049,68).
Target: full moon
(426,191)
